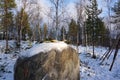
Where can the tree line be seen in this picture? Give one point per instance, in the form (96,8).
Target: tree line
(88,29)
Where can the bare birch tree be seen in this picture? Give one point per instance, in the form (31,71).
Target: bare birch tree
(57,7)
(108,6)
(33,9)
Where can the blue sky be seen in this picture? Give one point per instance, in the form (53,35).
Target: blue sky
(101,5)
(71,3)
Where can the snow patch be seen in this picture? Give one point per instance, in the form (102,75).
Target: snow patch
(44,47)
(11,45)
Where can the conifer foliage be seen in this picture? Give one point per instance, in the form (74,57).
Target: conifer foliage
(73,29)
(23,26)
(95,28)
(6,7)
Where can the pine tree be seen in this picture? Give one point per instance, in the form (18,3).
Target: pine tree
(92,27)
(26,30)
(73,29)
(6,7)
(23,25)
(101,33)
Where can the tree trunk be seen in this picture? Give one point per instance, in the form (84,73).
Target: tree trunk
(57,4)
(115,54)
(6,25)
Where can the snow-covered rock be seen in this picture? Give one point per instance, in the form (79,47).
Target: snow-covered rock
(48,61)
(44,47)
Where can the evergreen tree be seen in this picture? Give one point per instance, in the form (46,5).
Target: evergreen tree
(73,29)
(63,33)
(26,30)
(23,25)
(92,23)
(5,7)
(11,28)
(101,33)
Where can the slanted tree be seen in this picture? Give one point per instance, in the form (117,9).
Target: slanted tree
(116,43)
(116,21)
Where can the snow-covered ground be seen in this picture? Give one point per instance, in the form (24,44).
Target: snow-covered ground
(90,68)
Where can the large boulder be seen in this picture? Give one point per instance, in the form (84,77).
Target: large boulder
(54,64)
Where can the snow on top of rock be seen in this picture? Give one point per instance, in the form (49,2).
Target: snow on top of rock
(44,47)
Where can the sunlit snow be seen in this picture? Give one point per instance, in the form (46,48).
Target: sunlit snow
(90,68)
(44,47)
